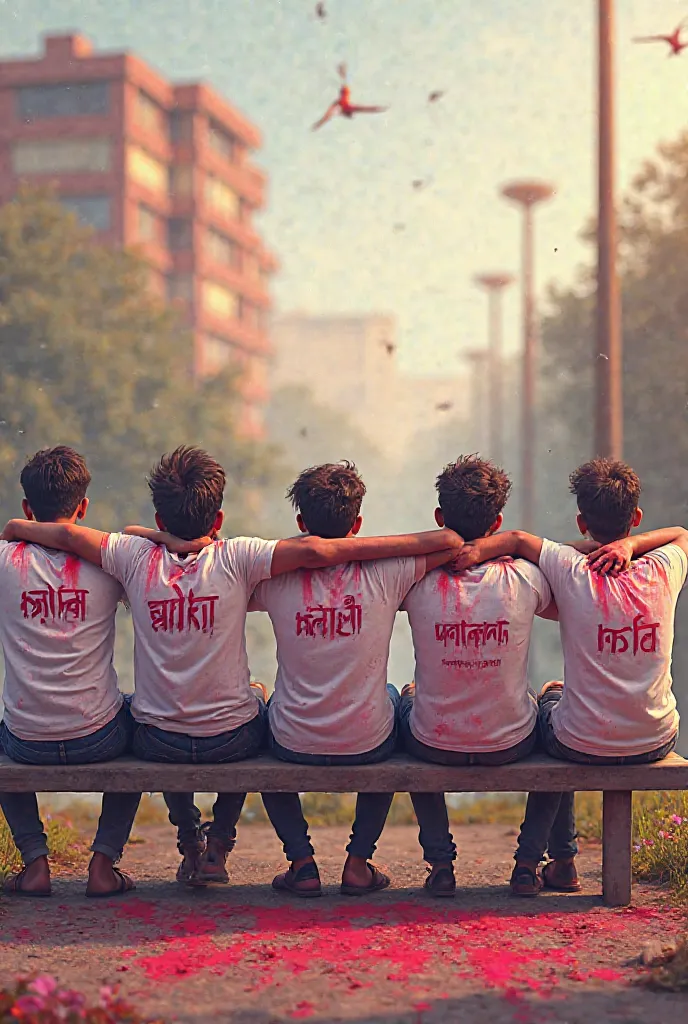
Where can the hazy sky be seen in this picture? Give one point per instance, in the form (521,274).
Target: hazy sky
(519,81)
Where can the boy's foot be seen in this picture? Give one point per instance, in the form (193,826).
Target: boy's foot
(525,880)
(409,690)
(191,855)
(302,879)
(441,881)
(105,880)
(261,691)
(360,877)
(561,876)
(32,881)
(212,868)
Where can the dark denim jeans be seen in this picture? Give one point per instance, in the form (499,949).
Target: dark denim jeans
(431,808)
(118,809)
(285,812)
(549,822)
(153,744)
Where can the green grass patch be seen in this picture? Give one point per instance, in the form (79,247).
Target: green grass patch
(68,846)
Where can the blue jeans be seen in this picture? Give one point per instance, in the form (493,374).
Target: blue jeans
(118,809)
(431,808)
(549,822)
(153,744)
(286,815)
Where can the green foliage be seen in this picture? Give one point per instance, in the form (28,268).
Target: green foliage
(90,358)
(67,845)
(660,850)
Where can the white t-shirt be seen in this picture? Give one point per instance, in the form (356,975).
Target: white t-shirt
(190,663)
(333,629)
(617,634)
(471,634)
(57,628)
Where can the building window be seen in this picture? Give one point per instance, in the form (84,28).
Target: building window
(146,171)
(92,210)
(180,288)
(221,197)
(221,249)
(181,126)
(149,225)
(220,141)
(149,114)
(38,102)
(179,234)
(219,302)
(61,156)
(181,180)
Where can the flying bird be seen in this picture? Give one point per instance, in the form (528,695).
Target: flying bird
(436,95)
(303,432)
(674,40)
(444,406)
(418,184)
(320,11)
(343,105)
(389,347)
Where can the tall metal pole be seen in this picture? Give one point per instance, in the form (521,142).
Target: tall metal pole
(608,342)
(494,284)
(480,359)
(526,194)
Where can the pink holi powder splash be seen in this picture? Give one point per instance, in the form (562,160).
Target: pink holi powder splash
(153,568)
(20,560)
(70,572)
(307,587)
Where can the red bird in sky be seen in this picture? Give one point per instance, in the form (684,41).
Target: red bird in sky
(674,40)
(343,105)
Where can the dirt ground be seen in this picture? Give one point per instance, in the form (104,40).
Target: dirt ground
(247,955)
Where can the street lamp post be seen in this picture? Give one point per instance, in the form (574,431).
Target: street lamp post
(527,194)
(494,284)
(479,358)
(608,343)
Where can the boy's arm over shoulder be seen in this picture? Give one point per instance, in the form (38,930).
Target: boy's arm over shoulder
(614,558)
(77,540)
(308,552)
(516,543)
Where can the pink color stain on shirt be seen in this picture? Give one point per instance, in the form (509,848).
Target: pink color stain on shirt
(443,587)
(307,587)
(20,559)
(70,572)
(154,567)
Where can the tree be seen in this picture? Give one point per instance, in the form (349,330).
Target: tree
(90,358)
(653,267)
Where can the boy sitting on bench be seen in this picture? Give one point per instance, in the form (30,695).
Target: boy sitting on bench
(616,704)
(332,704)
(470,703)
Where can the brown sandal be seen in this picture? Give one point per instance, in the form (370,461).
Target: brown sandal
(13,887)
(126,884)
(525,882)
(378,881)
(568,882)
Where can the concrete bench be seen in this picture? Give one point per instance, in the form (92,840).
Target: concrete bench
(399,775)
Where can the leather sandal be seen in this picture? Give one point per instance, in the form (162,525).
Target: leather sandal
(125,884)
(442,883)
(560,877)
(13,887)
(288,881)
(525,882)
(378,881)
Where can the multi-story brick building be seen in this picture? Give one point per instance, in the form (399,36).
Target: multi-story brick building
(156,165)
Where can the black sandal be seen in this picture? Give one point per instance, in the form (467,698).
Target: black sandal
(378,881)
(125,884)
(13,887)
(289,881)
(442,883)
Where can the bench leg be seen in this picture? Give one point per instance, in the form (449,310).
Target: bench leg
(616,847)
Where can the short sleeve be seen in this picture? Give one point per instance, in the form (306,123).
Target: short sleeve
(250,558)
(398,576)
(556,562)
(675,561)
(121,553)
(537,582)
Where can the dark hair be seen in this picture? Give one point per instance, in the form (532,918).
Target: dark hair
(187,488)
(472,492)
(328,498)
(55,481)
(607,492)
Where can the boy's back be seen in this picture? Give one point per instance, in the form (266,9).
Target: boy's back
(471,634)
(57,628)
(617,635)
(333,629)
(190,661)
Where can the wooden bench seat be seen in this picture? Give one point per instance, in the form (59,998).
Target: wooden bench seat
(400,775)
